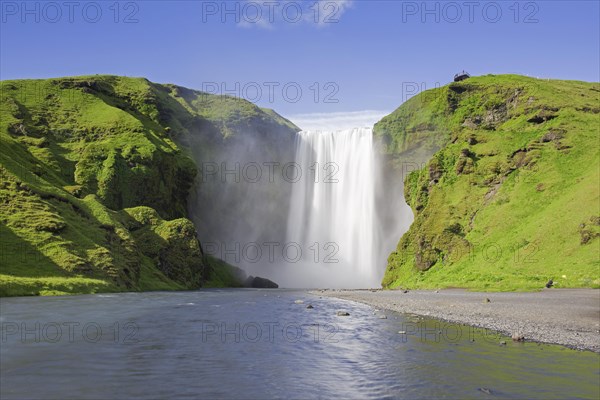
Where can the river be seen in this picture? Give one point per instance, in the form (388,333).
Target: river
(259,344)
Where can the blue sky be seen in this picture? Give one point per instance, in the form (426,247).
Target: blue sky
(368,55)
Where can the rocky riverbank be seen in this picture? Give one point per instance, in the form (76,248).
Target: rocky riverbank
(569,317)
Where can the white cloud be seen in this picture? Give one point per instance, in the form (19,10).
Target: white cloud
(338,120)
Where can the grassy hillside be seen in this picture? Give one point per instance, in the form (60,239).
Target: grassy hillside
(94,183)
(510,197)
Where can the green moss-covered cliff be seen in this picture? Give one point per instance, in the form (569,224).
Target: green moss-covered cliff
(95,178)
(508,195)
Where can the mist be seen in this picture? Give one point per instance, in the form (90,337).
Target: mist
(320,208)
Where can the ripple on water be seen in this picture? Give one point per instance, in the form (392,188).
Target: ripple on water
(212,350)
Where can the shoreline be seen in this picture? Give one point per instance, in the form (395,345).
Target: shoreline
(567,317)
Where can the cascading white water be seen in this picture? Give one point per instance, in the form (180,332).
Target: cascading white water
(325,209)
(332,214)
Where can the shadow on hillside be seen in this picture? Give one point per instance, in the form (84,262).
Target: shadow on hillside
(19,258)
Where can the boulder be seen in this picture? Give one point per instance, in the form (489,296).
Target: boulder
(516,337)
(260,283)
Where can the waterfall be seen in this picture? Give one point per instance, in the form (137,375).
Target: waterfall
(332,214)
(314,209)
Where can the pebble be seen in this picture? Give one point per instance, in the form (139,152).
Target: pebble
(343,314)
(538,314)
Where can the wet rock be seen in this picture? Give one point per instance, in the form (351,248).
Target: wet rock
(310,307)
(342,314)
(405,291)
(260,283)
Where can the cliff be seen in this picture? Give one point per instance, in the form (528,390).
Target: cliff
(95,181)
(507,196)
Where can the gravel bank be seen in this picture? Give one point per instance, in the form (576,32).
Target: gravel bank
(569,317)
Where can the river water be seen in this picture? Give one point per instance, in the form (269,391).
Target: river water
(259,344)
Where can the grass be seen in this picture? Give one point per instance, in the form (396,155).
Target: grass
(52,286)
(510,200)
(94,186)
(224,275)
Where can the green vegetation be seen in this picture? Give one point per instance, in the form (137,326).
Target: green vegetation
(95,182)
(509,195)
(96,174)
(224,275)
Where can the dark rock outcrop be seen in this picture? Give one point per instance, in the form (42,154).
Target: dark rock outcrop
(260,283)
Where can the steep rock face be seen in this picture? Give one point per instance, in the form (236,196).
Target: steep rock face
(415,131)
(503,201)
(172,246)
(241,153)
(95,182)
